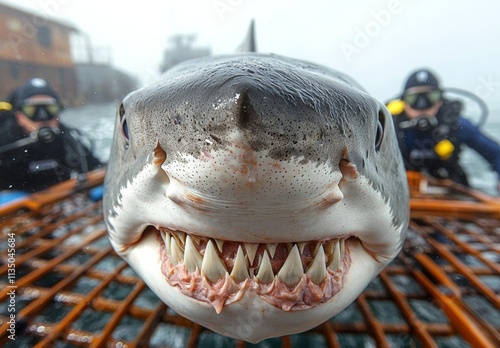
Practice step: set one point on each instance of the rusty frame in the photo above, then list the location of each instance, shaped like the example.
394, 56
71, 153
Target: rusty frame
58, 250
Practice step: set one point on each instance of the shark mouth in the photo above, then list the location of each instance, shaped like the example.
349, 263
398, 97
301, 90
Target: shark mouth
289, 276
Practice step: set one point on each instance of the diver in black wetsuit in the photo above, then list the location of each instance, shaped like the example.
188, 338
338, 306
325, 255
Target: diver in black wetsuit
36, 149
431, 131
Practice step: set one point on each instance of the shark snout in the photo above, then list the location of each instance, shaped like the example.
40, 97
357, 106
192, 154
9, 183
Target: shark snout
239, 178
238, 193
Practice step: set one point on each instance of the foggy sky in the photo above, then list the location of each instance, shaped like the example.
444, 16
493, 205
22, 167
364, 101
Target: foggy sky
377, 42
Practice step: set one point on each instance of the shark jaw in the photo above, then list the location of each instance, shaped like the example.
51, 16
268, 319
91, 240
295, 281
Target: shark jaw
289, 276
250, 315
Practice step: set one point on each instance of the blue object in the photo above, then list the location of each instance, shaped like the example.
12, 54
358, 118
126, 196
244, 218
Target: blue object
10, 196
95, 194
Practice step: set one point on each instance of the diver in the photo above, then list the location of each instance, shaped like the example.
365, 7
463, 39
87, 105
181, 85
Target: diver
431, 131
36, 149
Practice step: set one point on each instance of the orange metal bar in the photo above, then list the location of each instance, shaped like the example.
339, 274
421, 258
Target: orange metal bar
330, 336
355, 327
38, 304
43, 248
470, 250
149, 325
51, 225
36, 274
486, 236
454, 208
286, 342
466, 272
195, 336
416, 325
117, 316
456, 295
372, 323
424, 203
78, 309
438, 273
467, 327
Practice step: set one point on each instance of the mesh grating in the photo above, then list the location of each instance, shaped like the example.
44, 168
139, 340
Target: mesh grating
72, 290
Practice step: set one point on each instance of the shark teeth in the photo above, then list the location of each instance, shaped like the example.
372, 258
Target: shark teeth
265, 274
251, 249
212, 266
240, 269
291, 271
272, 249
287, 262
335, 260
317, 270
176, 254
192, 258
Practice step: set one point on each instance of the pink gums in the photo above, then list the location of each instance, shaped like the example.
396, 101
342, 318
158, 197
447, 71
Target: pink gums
306, 294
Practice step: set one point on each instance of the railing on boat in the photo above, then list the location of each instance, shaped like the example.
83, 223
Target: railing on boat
442, 290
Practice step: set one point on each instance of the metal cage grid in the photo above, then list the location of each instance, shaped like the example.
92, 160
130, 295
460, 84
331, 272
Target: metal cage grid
72, 290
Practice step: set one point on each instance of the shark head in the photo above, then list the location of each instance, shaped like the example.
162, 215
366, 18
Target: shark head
256, 195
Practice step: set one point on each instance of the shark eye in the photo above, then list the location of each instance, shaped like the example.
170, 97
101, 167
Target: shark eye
379, 136
123, 123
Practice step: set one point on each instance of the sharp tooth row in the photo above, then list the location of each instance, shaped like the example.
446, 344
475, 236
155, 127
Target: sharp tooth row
183, 248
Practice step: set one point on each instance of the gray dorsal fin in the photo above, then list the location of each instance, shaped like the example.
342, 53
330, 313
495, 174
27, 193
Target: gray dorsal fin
249, 43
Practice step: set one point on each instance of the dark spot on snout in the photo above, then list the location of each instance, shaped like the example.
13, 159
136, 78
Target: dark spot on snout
245, 111
177, 119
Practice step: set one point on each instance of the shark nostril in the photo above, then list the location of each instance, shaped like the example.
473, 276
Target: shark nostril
159, 155
348, 169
